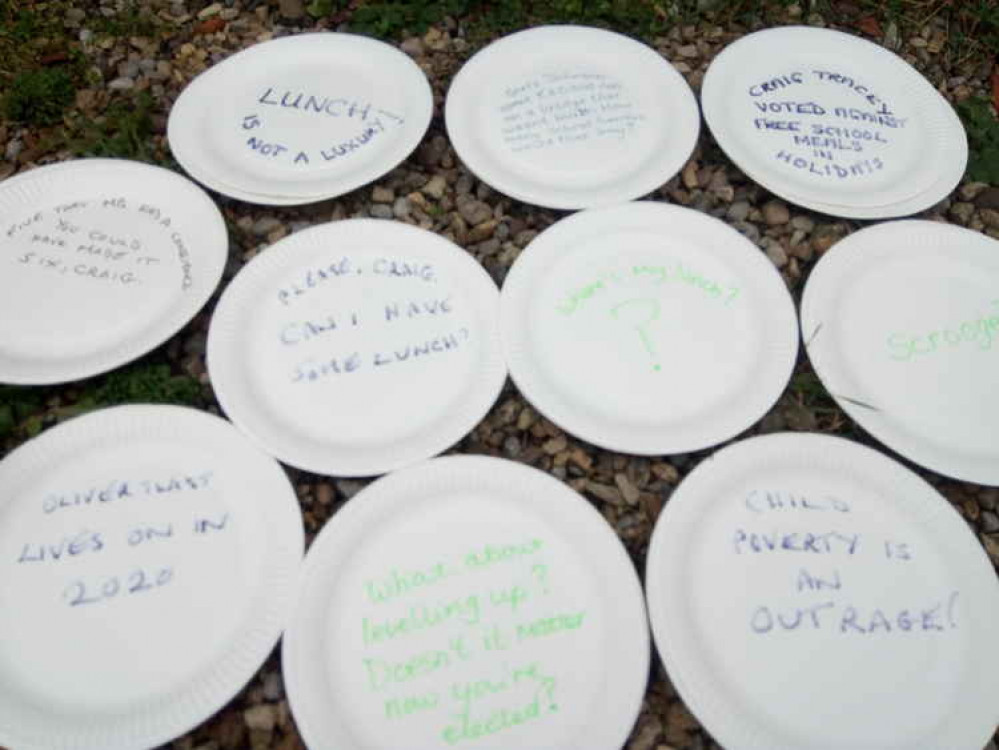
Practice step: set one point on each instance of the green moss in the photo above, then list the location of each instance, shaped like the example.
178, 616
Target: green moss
148, 384
124, 131
983, 139
39, 97
16, 406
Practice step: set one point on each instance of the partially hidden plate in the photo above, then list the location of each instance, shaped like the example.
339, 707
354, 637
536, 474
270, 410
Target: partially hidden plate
101, 260
150, 558
648, 328
357, 347
834, 123
571, 117
809, 593
901, 323
467, 601
301, 118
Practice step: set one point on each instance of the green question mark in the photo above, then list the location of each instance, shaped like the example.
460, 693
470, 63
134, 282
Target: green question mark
651, 307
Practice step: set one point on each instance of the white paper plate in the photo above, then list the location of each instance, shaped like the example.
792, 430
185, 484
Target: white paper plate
101, 260
467, 594
901, 322
150, 559
301, 118
724, 606
571, 117
648, 328
834, 123
357, 347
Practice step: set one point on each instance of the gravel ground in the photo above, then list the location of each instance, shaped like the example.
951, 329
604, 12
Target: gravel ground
433, 190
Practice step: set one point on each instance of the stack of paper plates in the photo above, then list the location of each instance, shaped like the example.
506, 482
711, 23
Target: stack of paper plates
100, 261
467, 601
571, 117
834, 123
301, 118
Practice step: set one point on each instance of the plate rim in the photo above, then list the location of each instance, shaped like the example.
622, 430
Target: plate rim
211, 685
182, 127
484, 385
713, 708
458, 107
945, 239
337, 538
713, 93
550, 246
212, 253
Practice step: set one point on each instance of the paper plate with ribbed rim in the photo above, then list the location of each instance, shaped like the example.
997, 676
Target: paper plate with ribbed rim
648, 328
357, 347
101, 260
301, 118
150, 558
571, 117
901, 323
833, 122
809, 593
467, 601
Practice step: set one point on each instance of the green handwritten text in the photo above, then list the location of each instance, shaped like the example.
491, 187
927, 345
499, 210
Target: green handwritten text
647, 275
979, 333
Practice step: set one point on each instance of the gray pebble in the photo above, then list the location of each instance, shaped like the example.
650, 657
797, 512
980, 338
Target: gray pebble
412, 46
121, 84
775, 251
128, 69
523, 238
962, 211
803, 224
401, 208
775, 213
14, 147
511, 446
989, 499
380, 194
262, 717
381, 211
273, 687
990, 522
435, 187
265, 225
738, 211
475, 212
750, 231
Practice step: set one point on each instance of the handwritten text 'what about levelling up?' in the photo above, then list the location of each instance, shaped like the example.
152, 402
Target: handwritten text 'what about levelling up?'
468, 644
